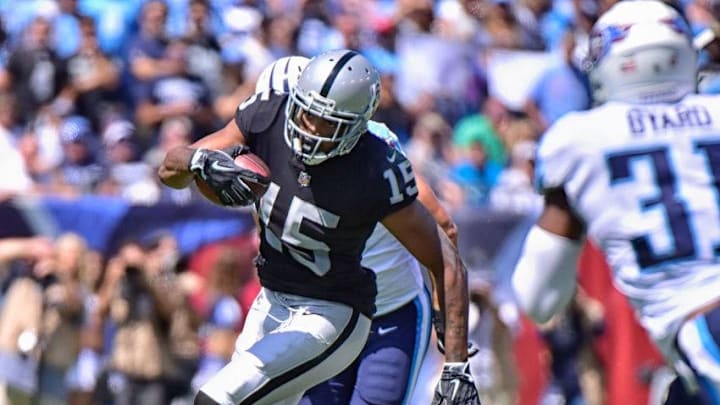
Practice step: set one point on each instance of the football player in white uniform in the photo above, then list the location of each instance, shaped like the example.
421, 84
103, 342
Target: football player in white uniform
387, 369
639, 174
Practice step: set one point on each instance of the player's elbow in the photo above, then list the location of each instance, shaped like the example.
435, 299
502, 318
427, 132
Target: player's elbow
164, 174
540, 306
173, 171
451, 231
436, 268
544, 280
171, 178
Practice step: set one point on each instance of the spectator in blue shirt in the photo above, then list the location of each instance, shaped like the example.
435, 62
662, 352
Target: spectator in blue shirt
561, 89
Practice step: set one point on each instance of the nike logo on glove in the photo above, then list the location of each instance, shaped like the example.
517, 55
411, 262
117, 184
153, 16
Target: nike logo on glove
217, 166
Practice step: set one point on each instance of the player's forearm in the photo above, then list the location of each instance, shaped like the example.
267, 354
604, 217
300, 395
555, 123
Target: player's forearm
174, 170
427, 197
454, 300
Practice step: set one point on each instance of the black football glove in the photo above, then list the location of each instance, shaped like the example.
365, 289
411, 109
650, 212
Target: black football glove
236, 150
439, 325
218, 169
456, 386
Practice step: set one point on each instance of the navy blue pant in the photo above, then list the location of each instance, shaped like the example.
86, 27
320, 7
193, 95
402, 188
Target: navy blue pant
390, 360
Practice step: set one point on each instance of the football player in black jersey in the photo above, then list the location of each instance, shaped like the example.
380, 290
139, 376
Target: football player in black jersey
330, 185
387, 369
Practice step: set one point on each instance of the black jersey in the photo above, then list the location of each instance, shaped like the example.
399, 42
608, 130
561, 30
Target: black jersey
315, 219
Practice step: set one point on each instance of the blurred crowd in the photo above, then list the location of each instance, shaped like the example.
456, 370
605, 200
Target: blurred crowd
94, 92
137, 328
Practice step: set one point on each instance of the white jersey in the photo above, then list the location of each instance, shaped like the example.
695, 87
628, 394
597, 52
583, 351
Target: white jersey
646, 181
399, 276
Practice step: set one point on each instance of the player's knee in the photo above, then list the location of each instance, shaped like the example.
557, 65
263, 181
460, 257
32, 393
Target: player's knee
383, 377
203, 399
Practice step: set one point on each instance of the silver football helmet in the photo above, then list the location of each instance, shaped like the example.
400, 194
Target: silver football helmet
341, 87
641, 51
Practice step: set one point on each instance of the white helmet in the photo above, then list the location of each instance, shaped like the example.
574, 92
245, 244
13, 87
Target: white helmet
343, 88
641, 51
281, 75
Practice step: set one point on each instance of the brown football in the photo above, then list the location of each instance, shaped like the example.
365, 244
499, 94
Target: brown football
248, 161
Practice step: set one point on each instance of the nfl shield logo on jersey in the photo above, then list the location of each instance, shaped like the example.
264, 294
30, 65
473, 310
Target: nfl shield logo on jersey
303, 179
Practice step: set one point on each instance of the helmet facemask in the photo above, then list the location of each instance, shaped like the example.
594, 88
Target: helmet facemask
311, 148
341, 90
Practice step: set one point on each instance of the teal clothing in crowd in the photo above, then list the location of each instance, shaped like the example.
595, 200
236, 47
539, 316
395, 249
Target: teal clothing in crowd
478, 128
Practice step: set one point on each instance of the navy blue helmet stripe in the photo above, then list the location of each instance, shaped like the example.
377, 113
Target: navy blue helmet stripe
286, 84
304, 367
336, 71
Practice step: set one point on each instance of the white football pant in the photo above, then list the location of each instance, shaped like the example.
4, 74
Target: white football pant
288, 344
